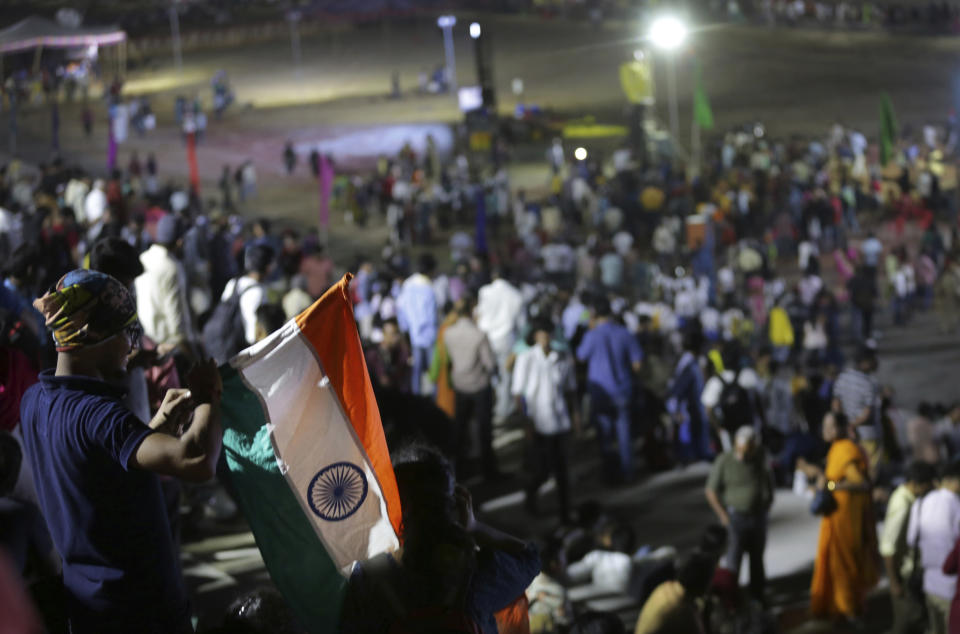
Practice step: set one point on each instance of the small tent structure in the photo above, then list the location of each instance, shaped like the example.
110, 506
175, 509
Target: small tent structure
38, 33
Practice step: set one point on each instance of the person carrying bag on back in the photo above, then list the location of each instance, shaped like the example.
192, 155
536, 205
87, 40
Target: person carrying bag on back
233, 324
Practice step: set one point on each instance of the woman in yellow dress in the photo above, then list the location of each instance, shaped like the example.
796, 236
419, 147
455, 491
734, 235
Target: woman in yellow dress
847, 564
440, 367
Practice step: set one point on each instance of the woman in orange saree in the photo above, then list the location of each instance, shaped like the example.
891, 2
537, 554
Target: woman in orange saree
847, 564
440, 368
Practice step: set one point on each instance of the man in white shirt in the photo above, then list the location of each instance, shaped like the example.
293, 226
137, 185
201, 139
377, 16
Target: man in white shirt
898, 553
11, 233
499, 308
95, 204
162, 293
808, 287
664, 243
75, 196
806, 250
870, 251
617, 567
574, 314
935, 525
248, 181
623, 242
710, 322
256, 264
417, 313
559, 262
710, 397
543, 382
685, 302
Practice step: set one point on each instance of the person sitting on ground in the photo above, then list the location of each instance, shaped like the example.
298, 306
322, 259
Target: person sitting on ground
608, 567
451, 568
618, 567
550, 608
665, 605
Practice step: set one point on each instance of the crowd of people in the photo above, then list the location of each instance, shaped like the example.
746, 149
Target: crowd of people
731, 319
929, 17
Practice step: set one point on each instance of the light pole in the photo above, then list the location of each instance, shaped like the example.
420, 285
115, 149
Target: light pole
668, 33
484, 59
175, 37
446, 24
293, 17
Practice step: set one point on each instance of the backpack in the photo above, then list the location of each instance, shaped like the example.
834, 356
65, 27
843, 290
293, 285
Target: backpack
733, 408
223, 334
430, 619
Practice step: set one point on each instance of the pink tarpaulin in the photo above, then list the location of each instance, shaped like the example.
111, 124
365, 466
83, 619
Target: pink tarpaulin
111, 147
192, 162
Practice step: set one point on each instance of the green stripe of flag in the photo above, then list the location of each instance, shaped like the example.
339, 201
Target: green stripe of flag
294, 555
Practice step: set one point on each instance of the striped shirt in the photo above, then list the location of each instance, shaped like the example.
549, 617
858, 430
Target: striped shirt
856, 392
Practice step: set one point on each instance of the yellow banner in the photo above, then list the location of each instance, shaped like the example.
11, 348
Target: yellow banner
636, 79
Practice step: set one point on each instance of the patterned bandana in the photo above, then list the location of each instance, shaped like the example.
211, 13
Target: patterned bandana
87, 308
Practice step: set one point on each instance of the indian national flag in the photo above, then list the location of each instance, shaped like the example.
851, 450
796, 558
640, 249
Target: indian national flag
307, 457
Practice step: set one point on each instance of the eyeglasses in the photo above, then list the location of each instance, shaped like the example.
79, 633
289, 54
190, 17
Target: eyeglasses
134, 334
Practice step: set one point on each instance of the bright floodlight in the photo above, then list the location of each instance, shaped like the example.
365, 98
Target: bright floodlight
446, 21
580, 153
475, 30
668, 33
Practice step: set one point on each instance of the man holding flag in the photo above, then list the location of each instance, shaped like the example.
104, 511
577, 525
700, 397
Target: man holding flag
95, 464
303, 444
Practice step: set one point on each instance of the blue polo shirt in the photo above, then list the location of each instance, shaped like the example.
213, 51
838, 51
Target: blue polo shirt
121, 572
610, 352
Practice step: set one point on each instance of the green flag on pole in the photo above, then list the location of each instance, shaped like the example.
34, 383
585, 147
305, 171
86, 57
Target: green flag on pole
702, 114
888, 129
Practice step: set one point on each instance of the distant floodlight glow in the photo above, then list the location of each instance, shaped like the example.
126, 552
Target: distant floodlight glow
668, 33
474, 30
446, 21
580, 153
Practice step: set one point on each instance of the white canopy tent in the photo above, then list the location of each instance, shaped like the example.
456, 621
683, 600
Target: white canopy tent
38, 33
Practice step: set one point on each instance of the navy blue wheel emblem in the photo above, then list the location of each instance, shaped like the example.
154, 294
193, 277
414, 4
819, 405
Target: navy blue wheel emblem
337, 491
